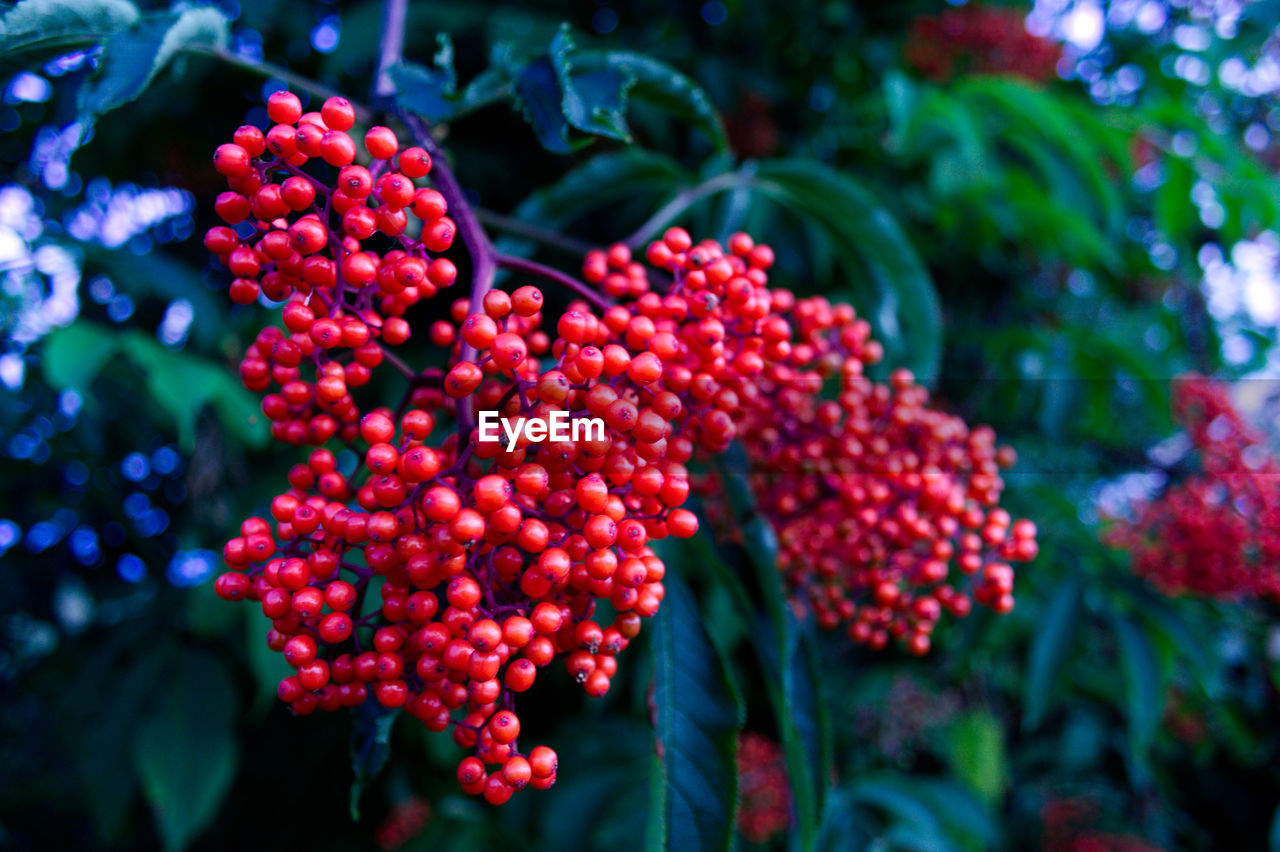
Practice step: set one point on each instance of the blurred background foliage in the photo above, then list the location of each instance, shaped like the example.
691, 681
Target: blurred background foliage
1047, 213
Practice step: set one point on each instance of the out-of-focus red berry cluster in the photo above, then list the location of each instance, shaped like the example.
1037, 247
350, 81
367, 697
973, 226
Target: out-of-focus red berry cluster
872, 493
976, 39
1215, 533
764, 794
1069, 826
405, 821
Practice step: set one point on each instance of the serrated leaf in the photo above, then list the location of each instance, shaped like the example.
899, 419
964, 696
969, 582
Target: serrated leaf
603, 179
185, 751
593, 100
1049, 649
661, 85
370, 748
33, 25
697, 723
538, 96
132, 57
978, 755
423, 91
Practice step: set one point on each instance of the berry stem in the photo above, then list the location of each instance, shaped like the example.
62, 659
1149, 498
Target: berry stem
512, 225
686, 198
530, 267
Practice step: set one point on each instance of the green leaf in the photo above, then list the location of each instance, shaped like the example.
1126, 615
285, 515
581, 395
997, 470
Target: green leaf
32, 25
1174, 214
1049, 649
370, 748
132, 57
978, 755
697, 724
185, 752
428, 92
661, 85
183, 384
180, 383
73, 356
538, 96
789, 655
594, 100
1143, 682
876, 255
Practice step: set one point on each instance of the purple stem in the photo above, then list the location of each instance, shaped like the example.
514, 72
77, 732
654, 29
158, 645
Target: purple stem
530, 267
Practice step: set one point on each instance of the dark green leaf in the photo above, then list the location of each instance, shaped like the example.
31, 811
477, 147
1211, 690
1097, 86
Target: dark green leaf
159, 274
182, 384
697, 716
1143, 682
45, 24
423, 91
875, 251
1049, 649
594, 100
132, 57
538, 95
185, 751
659, 84
789, 656
370, 748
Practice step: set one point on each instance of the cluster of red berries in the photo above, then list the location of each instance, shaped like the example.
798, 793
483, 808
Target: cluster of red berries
764, 794
1215, 533
443, 572
291, 237
405, 821
976, 39
1069, 826
874, 495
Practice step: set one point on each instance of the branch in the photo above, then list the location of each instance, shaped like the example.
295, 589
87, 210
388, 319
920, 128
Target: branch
391, 48
529, 267
295, 82
683, 200
512, 225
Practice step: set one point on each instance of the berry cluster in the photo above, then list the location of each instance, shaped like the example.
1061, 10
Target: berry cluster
872, 493
979, 40
405, 821
1070, 826
764, 803
444, 572
1215, 533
